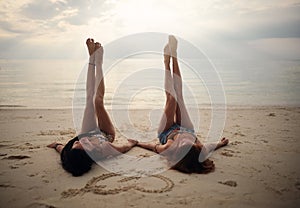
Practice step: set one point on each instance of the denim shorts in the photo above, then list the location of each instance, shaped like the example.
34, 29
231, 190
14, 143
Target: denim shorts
103, 137
163, 136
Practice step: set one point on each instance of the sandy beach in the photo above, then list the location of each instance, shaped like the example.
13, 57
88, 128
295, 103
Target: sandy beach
259, 168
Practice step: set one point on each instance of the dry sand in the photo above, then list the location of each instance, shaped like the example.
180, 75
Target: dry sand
259, 168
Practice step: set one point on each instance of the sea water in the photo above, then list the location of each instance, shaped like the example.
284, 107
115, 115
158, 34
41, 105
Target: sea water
137, 83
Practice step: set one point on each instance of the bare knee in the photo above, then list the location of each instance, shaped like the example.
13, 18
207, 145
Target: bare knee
171, 102
99, 101
170, 98
89, 98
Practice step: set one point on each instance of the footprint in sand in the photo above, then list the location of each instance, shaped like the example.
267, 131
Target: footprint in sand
183, 180
32, 175
57, 132
16, 157
239, 134
145, 155
297, 185
235, 143
229, 183
228, 152
26, 146
40, 205
6, 186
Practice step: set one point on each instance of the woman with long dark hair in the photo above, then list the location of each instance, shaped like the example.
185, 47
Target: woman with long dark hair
97, 132
177, 139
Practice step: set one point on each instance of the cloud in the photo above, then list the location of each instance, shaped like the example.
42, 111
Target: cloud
218, 26
11, 28
75, 12
282, 22
40, 10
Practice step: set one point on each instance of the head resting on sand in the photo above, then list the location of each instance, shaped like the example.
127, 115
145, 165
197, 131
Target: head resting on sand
75, 161
184, 156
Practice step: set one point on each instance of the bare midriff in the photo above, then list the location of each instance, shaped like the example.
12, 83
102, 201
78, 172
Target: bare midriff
177, 134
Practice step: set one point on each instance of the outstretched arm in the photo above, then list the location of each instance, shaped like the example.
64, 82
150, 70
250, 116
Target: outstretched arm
108, 149
125, 147
57, 146
154, 146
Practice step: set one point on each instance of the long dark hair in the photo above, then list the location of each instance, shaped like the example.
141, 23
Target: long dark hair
190, 162
75, 161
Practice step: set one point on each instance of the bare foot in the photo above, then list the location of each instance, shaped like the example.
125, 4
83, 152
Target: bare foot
99, 52
173, 45
167, 54
97, 45
222, 143
54, 144
91, 45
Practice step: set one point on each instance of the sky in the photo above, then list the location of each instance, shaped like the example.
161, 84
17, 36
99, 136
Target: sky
51, 29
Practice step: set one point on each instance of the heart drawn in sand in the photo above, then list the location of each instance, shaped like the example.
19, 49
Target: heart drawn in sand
135, 183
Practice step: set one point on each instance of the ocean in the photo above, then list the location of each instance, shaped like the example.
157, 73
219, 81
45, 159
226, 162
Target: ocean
137, 83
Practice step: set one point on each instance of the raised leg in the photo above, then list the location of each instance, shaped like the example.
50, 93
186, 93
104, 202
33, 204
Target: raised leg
182, 117
167, 119
104, 122
89, 119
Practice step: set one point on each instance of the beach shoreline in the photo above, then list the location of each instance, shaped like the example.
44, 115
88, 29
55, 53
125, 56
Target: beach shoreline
257, 169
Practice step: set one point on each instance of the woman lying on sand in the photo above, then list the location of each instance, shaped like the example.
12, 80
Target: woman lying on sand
93, 138
177, 140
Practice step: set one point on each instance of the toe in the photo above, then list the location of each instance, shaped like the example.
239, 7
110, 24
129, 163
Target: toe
98, 45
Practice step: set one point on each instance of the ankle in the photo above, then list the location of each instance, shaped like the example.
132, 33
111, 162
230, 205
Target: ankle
92, 59
98, 63
167, 61
99, 55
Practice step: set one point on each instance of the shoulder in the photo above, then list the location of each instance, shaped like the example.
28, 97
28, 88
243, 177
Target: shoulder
163, 147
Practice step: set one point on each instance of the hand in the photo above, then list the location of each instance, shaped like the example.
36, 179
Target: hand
53, 145
133, 142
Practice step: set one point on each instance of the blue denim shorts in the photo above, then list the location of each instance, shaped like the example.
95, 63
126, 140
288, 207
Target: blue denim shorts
103, 137
163, 136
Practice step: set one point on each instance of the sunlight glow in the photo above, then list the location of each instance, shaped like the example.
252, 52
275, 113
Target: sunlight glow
140, 13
